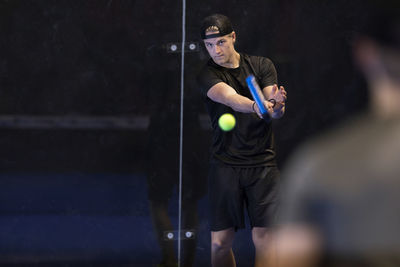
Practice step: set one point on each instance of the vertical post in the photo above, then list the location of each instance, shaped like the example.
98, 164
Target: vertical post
181, 128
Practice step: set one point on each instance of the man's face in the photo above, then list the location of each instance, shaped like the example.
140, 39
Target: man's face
221, 49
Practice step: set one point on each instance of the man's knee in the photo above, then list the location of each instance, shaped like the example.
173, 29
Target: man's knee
220, 247
261, 236
222, 240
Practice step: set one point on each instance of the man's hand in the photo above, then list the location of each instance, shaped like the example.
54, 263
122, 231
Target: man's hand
276, 101
279, 95
275, 104
268, 105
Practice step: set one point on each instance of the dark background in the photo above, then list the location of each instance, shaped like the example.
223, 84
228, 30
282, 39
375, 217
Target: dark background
76, 192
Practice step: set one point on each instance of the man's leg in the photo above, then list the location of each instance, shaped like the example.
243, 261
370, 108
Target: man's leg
265, 249
221, 248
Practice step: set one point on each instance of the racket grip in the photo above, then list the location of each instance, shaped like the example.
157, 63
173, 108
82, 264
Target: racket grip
266, 116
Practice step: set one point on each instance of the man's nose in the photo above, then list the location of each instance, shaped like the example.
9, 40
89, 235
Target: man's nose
217, 50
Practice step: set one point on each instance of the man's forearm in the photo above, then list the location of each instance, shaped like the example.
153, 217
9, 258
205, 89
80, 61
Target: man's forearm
240, 103
224, 94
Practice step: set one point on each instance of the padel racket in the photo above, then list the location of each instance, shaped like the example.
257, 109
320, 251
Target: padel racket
258, 97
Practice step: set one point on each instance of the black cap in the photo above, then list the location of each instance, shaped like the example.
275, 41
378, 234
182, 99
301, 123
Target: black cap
221, 22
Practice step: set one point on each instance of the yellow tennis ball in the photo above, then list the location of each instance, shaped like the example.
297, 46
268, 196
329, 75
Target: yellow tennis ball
226, 122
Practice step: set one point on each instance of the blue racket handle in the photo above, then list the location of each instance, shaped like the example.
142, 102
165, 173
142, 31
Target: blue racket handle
258, 97
266, 116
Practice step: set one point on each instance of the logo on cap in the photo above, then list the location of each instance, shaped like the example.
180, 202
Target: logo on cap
216, 25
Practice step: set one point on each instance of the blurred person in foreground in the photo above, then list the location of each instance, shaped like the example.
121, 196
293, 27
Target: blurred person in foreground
341, 192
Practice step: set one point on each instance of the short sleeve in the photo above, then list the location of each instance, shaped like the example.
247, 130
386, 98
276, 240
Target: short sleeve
267, 73
207, 78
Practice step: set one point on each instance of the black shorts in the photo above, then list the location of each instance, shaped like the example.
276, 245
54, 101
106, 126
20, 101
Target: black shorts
231, 189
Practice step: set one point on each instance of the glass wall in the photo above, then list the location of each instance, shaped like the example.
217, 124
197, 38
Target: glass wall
104, 150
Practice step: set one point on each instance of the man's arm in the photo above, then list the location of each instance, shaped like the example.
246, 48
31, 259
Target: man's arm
225, 94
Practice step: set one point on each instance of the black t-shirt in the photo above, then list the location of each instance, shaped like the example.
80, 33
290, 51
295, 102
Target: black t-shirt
250, 143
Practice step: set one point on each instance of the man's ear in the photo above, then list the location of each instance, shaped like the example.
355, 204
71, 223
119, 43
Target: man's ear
234, 36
